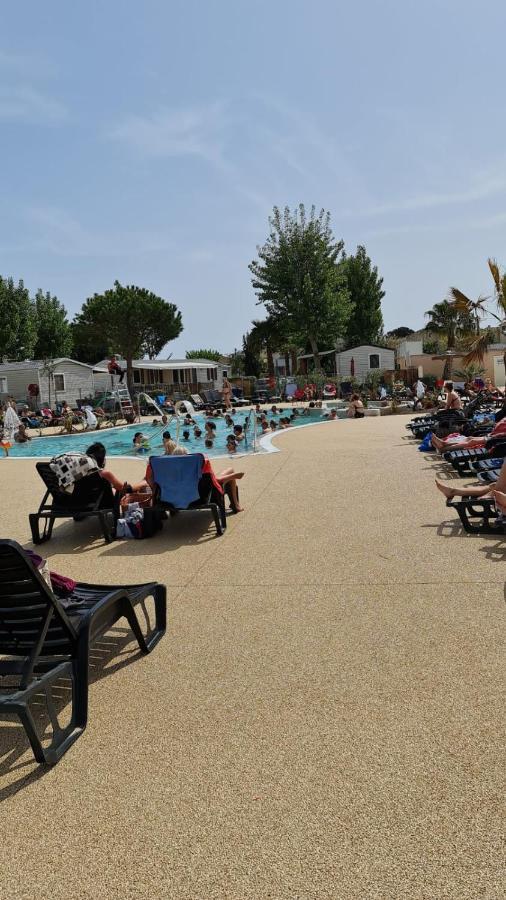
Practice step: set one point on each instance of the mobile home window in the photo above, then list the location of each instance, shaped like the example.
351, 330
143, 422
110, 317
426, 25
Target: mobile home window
59, 382
3, 385
374, 361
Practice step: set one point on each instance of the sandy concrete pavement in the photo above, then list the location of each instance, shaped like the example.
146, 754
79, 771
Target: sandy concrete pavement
325, 717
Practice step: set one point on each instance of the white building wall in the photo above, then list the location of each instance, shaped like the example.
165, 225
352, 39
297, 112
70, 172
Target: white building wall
17, 383
79, 383
361, 355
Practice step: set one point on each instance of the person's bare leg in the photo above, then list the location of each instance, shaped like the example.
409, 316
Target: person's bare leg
500, 499
450, 492
229, 475
234, 495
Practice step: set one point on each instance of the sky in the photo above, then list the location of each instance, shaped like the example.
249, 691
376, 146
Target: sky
148, 142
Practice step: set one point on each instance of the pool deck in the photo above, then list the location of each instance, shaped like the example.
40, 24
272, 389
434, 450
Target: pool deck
325, 717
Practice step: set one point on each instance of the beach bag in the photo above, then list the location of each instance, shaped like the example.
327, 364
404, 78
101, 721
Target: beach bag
426, 443
143, 498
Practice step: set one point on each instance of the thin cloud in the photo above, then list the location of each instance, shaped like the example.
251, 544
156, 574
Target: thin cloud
185, 132
24, 104
55, 231
201, 132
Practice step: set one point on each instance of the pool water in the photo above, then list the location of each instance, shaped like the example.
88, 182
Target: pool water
119, 441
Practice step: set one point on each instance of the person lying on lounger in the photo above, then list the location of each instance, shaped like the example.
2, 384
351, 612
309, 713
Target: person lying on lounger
460, 442
485, 490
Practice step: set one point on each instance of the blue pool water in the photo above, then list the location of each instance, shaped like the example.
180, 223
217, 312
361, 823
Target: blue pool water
118, 441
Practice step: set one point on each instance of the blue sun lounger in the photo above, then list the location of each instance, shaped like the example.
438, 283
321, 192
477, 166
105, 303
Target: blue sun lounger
180, 485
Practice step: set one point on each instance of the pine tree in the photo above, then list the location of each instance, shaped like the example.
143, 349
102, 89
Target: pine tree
17, 317
365, 289
54, 336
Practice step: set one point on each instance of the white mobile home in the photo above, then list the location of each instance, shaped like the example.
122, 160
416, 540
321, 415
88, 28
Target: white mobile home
359, 361
171, 375
31, 382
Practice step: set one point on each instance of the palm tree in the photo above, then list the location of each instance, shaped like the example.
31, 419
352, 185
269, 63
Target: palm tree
472, 309
453, 324
469, 373
479, 345
269, 335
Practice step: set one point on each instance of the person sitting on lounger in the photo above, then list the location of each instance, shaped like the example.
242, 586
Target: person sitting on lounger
98, 453
453, 400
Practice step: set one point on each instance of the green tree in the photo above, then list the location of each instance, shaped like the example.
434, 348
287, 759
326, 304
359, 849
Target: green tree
86, 346
213, 355
17, 318
402, 332
54, 336
251, 353
365, 289
298, 278
127, 317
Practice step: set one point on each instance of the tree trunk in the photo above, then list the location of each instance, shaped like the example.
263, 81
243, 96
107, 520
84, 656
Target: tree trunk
287, 362
270, 362
294, 361
314, 349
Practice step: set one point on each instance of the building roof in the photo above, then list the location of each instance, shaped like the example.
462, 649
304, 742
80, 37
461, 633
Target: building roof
163, 363
37, 364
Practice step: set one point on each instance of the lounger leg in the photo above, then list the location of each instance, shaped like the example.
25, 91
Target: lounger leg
37, 537
160, 598
28, 724
129, 613
107, 526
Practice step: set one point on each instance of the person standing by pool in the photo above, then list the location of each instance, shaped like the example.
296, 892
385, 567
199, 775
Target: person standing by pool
226, 392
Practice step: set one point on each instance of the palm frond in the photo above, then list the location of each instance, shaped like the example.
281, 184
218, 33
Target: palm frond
477, 348
496, 273
459, 300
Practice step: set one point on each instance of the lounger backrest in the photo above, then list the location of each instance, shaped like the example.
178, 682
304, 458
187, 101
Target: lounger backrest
177, 478
87, 491
30, 614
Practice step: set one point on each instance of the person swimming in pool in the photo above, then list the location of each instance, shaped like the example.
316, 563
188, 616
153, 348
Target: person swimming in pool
140, 442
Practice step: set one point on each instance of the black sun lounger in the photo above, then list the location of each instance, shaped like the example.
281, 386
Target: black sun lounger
92, 496
478, 515
44, 639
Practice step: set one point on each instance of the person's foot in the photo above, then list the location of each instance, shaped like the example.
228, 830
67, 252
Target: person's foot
448, 492
238, 474
500, 499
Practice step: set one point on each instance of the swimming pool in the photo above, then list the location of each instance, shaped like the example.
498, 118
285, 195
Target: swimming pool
119, 441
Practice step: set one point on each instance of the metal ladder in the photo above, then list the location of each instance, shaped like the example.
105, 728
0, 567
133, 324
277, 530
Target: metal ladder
124, 399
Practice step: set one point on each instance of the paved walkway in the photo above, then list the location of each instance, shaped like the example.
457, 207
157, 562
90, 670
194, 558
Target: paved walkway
325, 718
